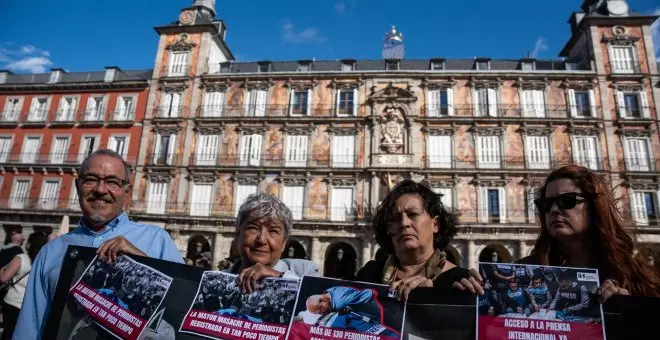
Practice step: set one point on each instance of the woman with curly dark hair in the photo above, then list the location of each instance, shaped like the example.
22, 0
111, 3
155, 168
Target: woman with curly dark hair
413, 227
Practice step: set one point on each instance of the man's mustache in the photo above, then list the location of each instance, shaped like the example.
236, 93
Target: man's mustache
105, 198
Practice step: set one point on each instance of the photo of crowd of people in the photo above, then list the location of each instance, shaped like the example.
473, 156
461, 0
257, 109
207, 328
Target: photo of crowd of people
539, 292
271, 303
129, 284
346, 305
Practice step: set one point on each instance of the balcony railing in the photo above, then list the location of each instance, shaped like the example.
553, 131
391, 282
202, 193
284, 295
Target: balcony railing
54, 158
123, 116
638, 164
39, 204
9, 116
511, 163
178, 70
241, 110
36, 116
312, 161
624, 67
93, 116
163, 159
65, 116
171, 112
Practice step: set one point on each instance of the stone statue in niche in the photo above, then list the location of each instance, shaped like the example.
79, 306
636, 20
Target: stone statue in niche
391, 129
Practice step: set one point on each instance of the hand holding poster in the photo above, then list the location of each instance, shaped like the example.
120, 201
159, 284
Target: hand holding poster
539, 303
335, 309
221, 311
121, 297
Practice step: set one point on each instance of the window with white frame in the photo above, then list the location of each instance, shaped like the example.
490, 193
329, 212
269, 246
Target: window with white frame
438, 149
446, 196
294, 198
12, 109
440, 102
303, 67
347, 102
489, 153
171, 107
643, 205
622, 59
637, 155
5, 148
88, 145
632, 104
347, 66
164, 149
582, 103
341, 205
296, 151
537, 152
19, 194
206, 151
263, 68
157, 197
125, 108
213, 103
391, 65
343, 151
485, 102
492, 205
38, 110
300, 102
533, 103
242, 192
54, 76
74, 202
94, 109
482, 65
201, 195
527, 65
119, 144
255, 103
586, 151
437, 65
50, 192
67, 109
249, 149
60, 150
30, 150
178, 64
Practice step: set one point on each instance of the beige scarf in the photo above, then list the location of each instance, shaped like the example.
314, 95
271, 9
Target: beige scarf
430, 270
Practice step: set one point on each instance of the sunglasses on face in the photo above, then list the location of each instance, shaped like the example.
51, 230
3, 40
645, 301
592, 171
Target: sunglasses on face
564, 201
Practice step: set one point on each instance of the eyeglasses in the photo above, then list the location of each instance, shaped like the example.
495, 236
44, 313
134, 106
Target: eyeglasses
564, 201
113, 183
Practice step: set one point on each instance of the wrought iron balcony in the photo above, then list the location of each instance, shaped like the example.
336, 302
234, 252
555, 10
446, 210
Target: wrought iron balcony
92, 116
171, 112
311, 161
163, 159
39, 204
506, 163
176, 70
636, 164
500, 110
9, 116
623, 68
36, 116
242, 110
123, 116
48, 159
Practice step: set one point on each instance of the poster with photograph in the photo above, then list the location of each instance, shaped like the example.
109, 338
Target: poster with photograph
336, 309
538, 302
221, 311
122, 297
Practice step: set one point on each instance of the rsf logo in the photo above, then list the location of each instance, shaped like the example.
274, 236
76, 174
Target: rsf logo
589, 277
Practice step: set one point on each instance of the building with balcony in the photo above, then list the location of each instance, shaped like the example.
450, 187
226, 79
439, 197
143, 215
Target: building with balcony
48, 124
328, 136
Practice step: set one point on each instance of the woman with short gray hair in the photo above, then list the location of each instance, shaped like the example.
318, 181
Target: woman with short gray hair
263, 226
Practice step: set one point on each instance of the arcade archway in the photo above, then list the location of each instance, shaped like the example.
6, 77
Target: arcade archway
294, 250
340, 261
495, 253
197, 245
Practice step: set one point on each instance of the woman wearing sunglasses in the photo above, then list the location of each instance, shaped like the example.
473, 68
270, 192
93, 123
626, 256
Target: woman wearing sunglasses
581, 226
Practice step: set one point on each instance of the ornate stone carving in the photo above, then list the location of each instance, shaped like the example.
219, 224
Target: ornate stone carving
216, 87
341, 182
343, 130
628, 86
301, 84
182, 44
172, 86
438, 83
203, 177
294, 180
535, 130
252, 129
247, 180
579, 84
392, 130
490, 182
439, 130
485, 83
166, 129
392, 94
487, 130
532, 84
159, 177
444, 183
214, 129
264, 85
591, 130
628, 132
298, 130
644, 186
346, 85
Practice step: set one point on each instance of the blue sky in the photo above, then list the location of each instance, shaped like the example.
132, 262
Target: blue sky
78, 35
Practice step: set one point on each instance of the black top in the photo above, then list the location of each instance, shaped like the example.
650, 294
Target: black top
7, 254
373, 272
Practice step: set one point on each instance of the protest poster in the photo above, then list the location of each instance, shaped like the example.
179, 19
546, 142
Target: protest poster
121, 297
538, 302
220, 311
337, 309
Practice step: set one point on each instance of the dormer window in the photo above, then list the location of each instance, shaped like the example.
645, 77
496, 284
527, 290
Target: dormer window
437, 65
264, 67
392, 65
482, 64
348, 66
304, 66
225, 67
54, 76
527, 65
571, 66
110, 73
3, 76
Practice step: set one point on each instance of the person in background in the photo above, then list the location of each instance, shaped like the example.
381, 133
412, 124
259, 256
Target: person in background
523, 275
572, 298
263, 226
581, 226
103, 184
413, 228
15, 276
12, 247
503, 274
188, 261
538, 294
515, 299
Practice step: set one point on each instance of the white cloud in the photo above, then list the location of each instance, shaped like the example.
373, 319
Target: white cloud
307, 35
27, 58
655, 30
540, 46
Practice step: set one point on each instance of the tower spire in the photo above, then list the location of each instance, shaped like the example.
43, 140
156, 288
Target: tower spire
205, 6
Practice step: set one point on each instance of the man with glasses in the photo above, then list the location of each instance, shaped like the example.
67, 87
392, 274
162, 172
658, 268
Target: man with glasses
103, 184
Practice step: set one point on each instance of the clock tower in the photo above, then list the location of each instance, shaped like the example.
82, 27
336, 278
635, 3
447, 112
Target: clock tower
612, 8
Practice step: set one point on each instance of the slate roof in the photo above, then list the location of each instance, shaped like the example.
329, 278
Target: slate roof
79, 77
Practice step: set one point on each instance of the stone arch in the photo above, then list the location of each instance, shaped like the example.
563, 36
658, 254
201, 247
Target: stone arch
294, 250
197, 245
453, 255
495, 253
340, 261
